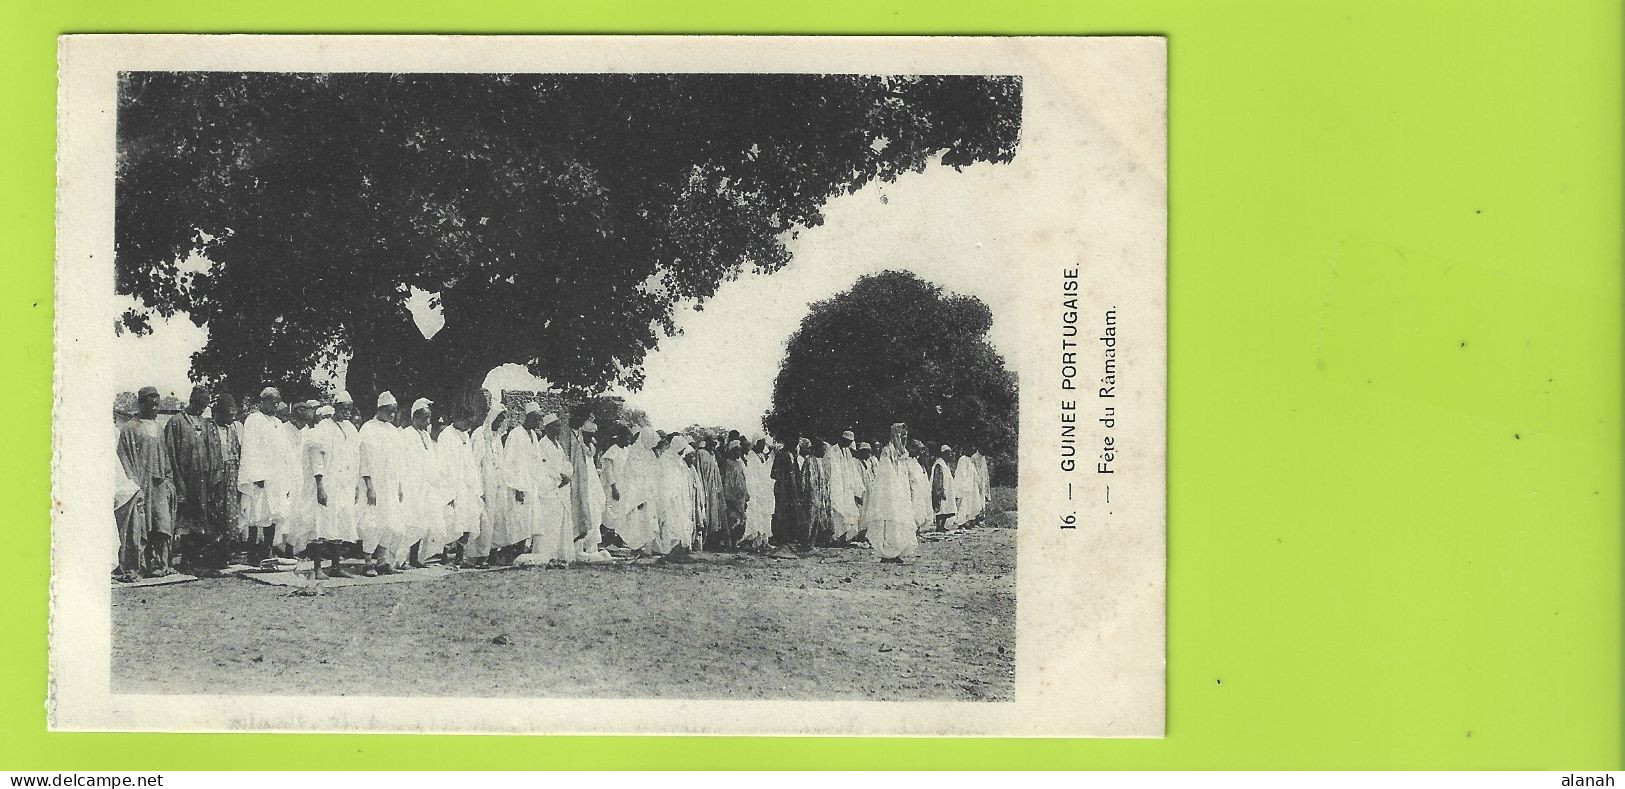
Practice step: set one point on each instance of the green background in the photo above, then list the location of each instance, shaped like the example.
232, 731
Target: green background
1395, 437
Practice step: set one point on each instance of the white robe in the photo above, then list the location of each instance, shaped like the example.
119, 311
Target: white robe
941, 472
425, 492
611, 469
334, 520
759, 509
462, 475
260, 475
534, 465
920, 489
845, 485
888, 507
639, 480
675, 509
486, 448
379, 523
343, 480
968, 488
295, 513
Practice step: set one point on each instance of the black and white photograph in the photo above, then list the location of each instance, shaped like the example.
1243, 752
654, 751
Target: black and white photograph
615, 385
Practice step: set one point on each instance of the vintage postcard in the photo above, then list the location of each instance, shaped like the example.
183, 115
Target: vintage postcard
629, 385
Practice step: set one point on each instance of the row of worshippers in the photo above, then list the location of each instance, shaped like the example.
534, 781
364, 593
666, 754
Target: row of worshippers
304, 480
844, 492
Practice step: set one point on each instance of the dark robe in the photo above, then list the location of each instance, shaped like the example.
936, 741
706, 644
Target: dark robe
203, 464
786, 497
711, 491
735, 497
817, 515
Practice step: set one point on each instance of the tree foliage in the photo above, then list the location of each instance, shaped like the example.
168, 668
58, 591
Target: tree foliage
559, 218
895, 348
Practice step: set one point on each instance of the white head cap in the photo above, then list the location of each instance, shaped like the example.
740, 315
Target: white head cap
549, 419
385, 398
422, 404
270, 391
946, 448
343, 397
848, 435
324, 411
532, 408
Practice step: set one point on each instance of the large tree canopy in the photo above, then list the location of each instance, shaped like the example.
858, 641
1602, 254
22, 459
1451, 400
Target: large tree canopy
559, 218
896, 348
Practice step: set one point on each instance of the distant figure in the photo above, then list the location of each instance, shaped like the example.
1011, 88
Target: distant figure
944, 497
145, 544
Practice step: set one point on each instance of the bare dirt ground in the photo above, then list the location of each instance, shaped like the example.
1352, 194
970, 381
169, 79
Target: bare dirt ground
835, 625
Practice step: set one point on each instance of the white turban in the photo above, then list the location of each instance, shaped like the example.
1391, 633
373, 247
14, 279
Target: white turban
270, 391
422, 404
343, 398
385, 398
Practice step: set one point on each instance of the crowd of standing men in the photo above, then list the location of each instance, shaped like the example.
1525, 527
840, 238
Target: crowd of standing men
397, 490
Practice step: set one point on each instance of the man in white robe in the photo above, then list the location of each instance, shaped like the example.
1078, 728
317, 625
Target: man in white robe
424, 488
516, 521
639, 481
676, 506
968, 488
888, 509
759, 509
379, 514
329, 462
301, 486
486, 444
261, 477
845, 488
462, 473
346, 482
586, 493
538, 478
